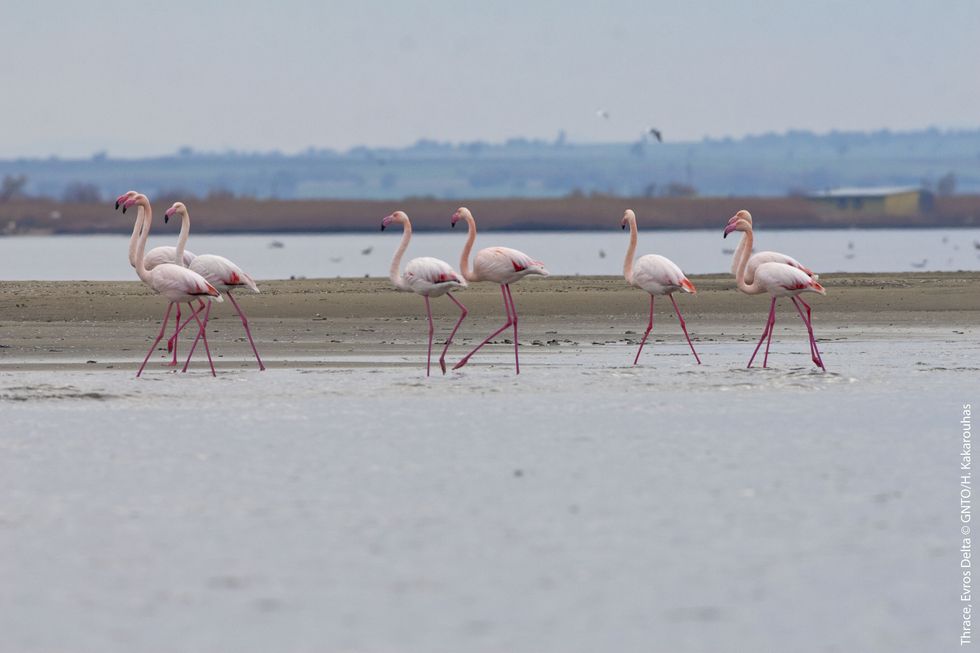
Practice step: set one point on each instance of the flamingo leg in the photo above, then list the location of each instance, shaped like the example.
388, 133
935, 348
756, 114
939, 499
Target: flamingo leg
683, 327
465, 359
201, 335
646, 333
241, 314
428, 358
770, 328
813, 355
513, 313
462, 316
180, 328
172, 343
163, 327
769, 322
817, 359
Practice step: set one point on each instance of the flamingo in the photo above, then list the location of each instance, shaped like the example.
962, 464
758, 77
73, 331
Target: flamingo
153, 258
176, 283
426, 276
501, 265
779, 280
657, 275
219, 271
759, 258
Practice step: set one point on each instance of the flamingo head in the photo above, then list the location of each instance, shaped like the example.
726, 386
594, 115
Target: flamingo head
628, 217
397, 216
741, 215
737, 225
178, 207
138, 198
461, 213
122, 198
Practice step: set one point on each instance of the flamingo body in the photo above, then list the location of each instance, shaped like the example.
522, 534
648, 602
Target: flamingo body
658, 275
166, 254
431, 277
221, 272
782, 280
505, 265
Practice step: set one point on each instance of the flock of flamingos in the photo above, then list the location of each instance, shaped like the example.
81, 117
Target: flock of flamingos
184, 278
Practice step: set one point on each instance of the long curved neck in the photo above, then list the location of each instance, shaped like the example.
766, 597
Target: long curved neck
630, 252
744, 251
135, 237
185, 229
395, 274
141, 270
737, 257
464, 258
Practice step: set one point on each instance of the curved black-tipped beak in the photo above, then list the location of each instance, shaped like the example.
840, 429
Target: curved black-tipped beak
166, 219
124, 209
624, 227
382, 227
117, 206
452, 224
725, 235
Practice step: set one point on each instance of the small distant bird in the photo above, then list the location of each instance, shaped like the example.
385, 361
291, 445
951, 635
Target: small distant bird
276, 244
653, 131
602, 113
657, 275
976, 244
850, 244
367, 250
602, 253
920, 264
336, 259
501, 265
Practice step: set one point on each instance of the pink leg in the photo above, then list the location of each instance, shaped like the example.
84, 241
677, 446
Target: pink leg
465, 359
771, 328
163, 327
769, 322
462, 316
513, 314
172, 343
180, 328
428, 358
814, 356
241, 314
202, 335
647, 333
683, 327
813, 341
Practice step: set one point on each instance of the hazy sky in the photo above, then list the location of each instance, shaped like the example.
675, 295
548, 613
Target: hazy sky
138, 78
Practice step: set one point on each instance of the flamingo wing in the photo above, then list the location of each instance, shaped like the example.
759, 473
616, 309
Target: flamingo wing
759, 258
221, 272
659, 275
783, 279
504, 265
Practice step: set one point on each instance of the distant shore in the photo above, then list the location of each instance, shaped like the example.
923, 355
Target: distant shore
240, 215
298, 323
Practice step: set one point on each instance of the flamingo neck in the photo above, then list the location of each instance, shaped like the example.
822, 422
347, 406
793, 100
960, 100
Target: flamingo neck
630, 252
135, 237
464, 258
185, 229
394, 273
742, 255
147, 219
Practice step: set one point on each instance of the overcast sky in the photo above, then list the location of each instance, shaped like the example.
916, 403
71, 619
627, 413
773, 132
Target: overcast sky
138, 78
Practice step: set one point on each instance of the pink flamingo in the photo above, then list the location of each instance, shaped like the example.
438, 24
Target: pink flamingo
153, 258
426, 276
219, 271
657, 275
778, 280
176, 283
501, 265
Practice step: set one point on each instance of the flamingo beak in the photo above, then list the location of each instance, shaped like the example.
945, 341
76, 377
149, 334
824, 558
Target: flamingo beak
729, 228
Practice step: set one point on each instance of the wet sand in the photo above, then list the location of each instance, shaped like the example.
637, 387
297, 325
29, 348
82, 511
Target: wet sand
312, 322
341, 501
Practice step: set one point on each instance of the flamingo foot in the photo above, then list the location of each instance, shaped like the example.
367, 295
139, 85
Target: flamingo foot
463, 361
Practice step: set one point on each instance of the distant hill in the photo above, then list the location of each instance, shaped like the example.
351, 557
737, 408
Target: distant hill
771, 165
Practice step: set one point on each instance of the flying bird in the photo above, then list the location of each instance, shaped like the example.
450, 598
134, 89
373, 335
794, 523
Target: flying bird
653, 131
602, 113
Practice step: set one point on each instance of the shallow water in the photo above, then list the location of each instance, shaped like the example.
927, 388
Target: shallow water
586, 505
103, 258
